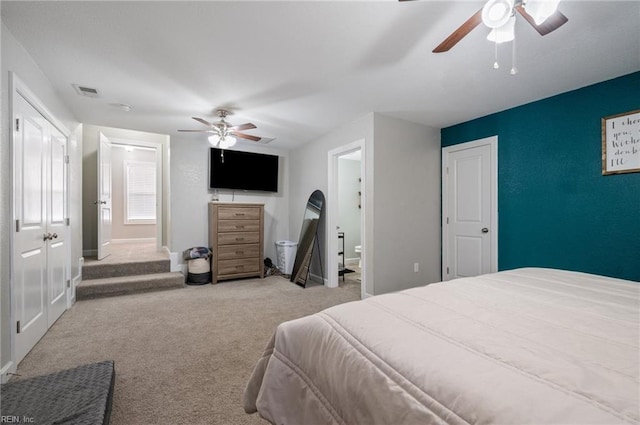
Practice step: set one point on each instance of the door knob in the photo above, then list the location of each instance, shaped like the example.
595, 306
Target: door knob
46, 237
485, 230
99, 202
54, 236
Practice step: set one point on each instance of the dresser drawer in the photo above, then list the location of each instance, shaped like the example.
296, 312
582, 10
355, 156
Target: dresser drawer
238, 225
245, 265
238, 238
239, 213
233, 252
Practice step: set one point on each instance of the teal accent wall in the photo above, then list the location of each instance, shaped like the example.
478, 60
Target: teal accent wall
555, 208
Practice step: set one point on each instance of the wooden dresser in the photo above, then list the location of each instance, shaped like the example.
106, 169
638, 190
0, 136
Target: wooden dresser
236, 238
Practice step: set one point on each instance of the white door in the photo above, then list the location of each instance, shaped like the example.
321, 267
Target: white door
104, 197
30, 258
56, 225
469, 199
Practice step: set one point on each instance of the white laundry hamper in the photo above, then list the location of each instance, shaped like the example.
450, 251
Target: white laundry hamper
286, 251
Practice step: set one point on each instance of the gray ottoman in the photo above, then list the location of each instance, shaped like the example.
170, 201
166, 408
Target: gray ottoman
78, 396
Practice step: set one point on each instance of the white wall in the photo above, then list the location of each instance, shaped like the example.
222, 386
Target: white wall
402, 168
15, 58
349, 187
90, 177
406, 205
191, 194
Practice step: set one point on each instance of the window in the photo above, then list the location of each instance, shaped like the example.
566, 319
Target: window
140, 192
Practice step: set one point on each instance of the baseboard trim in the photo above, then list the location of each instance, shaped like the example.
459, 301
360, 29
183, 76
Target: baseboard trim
174, 261
75, 282
89, 252
133, 240
7, 369
317, 278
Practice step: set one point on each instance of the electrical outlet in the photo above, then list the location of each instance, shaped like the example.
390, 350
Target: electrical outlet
416, 267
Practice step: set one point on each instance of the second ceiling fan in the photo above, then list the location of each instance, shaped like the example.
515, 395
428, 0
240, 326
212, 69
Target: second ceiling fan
499, 15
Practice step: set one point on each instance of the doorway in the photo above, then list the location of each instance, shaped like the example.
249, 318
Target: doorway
347, 217
470, 209
350, 217
130, 185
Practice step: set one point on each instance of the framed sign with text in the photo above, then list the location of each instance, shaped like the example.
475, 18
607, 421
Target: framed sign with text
621, 143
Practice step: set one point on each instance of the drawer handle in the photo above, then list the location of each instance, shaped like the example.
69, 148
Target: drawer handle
239, 239
239, 214
239, 267
239, 227
239, 252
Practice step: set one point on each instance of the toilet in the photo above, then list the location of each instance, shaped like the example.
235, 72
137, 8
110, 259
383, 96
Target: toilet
359, 251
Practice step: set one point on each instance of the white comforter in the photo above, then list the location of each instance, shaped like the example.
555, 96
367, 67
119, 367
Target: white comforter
534, 346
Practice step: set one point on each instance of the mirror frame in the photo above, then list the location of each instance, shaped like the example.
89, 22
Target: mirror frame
308, 239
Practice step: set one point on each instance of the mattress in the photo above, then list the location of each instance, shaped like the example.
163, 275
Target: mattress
536, 346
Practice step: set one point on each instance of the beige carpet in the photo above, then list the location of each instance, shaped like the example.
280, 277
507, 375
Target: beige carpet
182, 356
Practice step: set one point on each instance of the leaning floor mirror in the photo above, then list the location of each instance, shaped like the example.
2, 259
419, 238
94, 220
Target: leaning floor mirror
308, 243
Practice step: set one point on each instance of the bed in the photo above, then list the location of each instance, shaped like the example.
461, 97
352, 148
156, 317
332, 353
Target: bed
536, 346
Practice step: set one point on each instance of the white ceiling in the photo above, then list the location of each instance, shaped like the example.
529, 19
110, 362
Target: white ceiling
298, 69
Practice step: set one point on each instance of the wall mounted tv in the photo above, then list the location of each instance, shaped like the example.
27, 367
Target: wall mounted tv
243, 170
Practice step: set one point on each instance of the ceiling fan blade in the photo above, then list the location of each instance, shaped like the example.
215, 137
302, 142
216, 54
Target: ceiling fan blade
247, 126
247, 136
552, 23
205, 122
460, 33
198, 131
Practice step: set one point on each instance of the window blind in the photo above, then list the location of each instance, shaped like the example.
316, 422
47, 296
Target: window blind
140, 197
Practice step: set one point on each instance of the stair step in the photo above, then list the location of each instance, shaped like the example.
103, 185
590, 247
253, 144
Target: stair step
112, 286
98, 270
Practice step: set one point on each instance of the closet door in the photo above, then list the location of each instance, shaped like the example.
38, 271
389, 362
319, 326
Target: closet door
41, 247
57, 248
30, 255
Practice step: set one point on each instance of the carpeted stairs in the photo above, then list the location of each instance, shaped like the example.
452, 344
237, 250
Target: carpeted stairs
110, 279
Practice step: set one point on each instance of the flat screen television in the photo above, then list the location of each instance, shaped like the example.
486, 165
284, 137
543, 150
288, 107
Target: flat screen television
243, 170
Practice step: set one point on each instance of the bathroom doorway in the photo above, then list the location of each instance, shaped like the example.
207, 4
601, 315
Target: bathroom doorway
347, 218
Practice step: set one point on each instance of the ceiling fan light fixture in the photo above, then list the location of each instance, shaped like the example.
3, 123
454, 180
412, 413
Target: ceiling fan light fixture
223, 142
227, 142
214, 139
540, 10
505, 33
496, 13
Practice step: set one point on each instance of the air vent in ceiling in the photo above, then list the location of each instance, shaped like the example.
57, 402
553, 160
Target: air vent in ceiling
86, 91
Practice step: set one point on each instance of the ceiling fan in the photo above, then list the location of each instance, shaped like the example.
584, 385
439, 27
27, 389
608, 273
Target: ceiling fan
499, 15
224, 134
